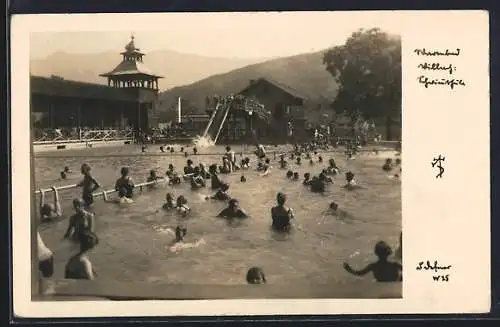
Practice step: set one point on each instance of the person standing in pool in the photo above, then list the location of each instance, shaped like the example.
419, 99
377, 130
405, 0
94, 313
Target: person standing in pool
79, 265
233, 210
89, 185
80, 222
255, 275
125, 185
48, 211
383, 270
281, 215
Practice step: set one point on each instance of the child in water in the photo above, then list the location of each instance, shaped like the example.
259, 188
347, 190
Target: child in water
383, 270
48, 211
152, 178
334, 210
307, 179
281, 215
221, 194
80, 222
295, 176
197, 181
255, 275
169, 202
388, 165
351, 183
181, 205
289, 174
233, 210
125, 185
89, 185
283, 162
243, 179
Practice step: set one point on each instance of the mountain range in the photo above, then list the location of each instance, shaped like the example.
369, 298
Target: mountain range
305, 73
176, 68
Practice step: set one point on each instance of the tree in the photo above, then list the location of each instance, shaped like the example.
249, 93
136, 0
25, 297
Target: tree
367, 69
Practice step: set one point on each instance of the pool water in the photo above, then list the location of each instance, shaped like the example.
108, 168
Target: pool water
135, 240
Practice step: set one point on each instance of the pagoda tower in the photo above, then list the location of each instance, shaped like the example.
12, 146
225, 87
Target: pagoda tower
133, 77
131, 72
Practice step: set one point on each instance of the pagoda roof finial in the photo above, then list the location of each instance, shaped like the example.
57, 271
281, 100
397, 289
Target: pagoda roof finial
130, 47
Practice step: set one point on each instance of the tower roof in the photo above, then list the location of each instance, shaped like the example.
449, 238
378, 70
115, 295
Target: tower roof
132, 65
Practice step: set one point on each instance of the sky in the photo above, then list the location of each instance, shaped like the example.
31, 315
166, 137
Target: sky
228, 35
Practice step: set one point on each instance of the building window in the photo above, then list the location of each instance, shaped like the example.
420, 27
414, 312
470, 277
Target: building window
288, 109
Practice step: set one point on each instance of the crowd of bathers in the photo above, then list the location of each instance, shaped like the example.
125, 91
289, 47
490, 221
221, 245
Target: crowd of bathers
81, 226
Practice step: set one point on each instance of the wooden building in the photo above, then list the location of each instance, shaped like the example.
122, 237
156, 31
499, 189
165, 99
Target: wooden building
285, 104
129, 99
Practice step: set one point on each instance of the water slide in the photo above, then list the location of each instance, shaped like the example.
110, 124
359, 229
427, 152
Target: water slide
217, 120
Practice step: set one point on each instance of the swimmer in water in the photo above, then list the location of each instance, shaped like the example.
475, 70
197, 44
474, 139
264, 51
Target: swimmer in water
175, 179
80, 222
281, 215
388, 165
203, 171
48, 211
296, 176
266, 167
243, 179
171, 171
89, 185
298, 162
67, 170
383, 270
332, 167
79, 265
320, 159
181, 205
245, 163
152, 178
195, 151
215, 182
188, 170
255, 275
172, 150
289, 174
197, 181
162, 149
221, 194
233, 210
398, 161
169, 202
317, 185
311, 162
323, 177
261, 151
143, 148
182, 149
334, 210
125, 185
283, 162
186, 154
307, 179
63, 175
350, 182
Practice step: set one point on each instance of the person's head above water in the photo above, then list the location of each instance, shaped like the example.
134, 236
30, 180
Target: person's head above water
46, 210
267, 161
281, 198
307, 175
398, 161
212, 168
169, 197
388, 161
180, 232
66, 169
181, 200
382, 250
296, 175
255, 275
63, 175
228, 148
197, 170
334, 205
85, 169
189, 162
349, 176
224, 187
243, 178
233, 204
152, 173
170, 167
124, 171
289, 174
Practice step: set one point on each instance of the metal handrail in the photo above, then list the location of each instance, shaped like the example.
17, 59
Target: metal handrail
102, 193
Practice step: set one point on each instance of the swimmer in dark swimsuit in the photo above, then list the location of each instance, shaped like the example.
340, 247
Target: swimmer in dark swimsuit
152, 178
255, 275
221, 194
243, 179
296, 176
233, 210
383, 270
281, 215
388, 165
169, 202
48, 211
317, 185
197, 181
351, 183
215, 182
89, 185
181, 205
307, 179
298, 161
180, 232
80, 222
125, 184
79, 265
189, 168
289, 174
332, 167
63, 175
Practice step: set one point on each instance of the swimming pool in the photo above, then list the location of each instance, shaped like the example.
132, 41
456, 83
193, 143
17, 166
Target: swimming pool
134, 244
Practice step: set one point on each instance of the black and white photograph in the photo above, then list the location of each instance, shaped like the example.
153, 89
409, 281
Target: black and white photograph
232, 156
